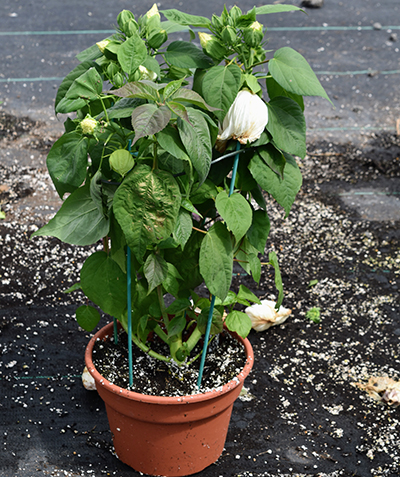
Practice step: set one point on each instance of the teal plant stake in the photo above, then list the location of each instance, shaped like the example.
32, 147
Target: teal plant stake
211, 312
129, 304
115, 331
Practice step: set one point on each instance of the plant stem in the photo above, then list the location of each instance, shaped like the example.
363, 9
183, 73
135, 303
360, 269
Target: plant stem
162, 305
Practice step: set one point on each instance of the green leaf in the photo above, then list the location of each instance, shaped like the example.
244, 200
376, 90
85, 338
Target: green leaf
172, 87
247, 257
140, 89
183, 228
283, 191
87, 317
146, 206
294, 74
186, 55
70, 78
123, 108
217, 324
192, 97
176, 326
273, 260
67, 162
246, 294
236, 212
155, 270
207, 190
185, 19
196, 139
216, 260
276, 9
149, 119
178, 306
75, 286
259, 230
170, 141
287, 125
91, 53
178, 109
273, 158
88, 86
238, 322
274, 89
132, 53
220, 87
78, 221
104, 283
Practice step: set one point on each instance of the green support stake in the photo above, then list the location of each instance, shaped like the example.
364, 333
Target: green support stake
210, 314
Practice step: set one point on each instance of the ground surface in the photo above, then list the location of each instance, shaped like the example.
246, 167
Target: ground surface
303, 416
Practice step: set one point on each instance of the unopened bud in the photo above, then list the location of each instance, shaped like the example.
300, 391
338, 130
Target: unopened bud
121, 161
102, 45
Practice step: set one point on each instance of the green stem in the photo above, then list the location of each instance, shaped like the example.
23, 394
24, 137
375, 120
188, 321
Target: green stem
162, 305
161, 334
104, 109
193, 339
149, 351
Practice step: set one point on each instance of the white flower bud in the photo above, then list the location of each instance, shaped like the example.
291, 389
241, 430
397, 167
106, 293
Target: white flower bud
153, 11
246, 118
204, 38
88, 125
147, 74
265, 315
102, 45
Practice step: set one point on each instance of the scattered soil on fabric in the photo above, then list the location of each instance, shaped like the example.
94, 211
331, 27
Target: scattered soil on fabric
225, 360
301, 416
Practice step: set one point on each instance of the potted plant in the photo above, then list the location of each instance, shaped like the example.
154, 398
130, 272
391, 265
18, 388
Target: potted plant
167, 160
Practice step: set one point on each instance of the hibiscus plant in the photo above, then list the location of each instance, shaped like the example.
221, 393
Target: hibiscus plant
145, 167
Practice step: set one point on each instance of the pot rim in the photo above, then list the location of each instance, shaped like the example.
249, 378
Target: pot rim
154, 399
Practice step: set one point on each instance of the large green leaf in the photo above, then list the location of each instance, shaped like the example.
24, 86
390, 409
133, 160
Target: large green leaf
294, 74
140, 89
216, 260
192, 97
132, 53
78, 221
71, 77
287, 125
155, 270
238, 322
87, 317
185, 19
104, 283
274, 89
236, 212
259, 230
170, 141
88, 86
195, 137
283, 191
186, 55
273, 158
220, 87
146, 206
123, 108
149, 119
67, 162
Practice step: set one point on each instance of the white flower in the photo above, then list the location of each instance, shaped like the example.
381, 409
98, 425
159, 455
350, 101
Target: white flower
265, 315
88, 125
246, 118
88, 381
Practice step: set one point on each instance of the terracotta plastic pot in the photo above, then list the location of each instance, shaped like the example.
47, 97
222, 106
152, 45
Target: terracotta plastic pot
168, 436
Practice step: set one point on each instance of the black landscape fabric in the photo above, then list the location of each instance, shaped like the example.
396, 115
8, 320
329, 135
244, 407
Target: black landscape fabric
338, 250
